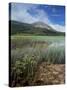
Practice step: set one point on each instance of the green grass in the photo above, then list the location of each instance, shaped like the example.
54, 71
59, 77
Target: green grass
29, 51
41, 38
20, 40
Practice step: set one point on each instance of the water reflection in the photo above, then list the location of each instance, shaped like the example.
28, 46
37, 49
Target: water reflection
57, 44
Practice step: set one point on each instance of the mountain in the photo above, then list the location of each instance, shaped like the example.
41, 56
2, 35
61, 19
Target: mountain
37, 28
41, 25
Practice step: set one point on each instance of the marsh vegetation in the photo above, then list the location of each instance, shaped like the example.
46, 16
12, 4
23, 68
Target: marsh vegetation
28, 52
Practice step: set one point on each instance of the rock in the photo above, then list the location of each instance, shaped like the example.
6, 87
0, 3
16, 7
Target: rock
50, 74
55, 82
55, 72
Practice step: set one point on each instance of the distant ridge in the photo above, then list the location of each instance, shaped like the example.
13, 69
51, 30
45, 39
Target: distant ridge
37, 28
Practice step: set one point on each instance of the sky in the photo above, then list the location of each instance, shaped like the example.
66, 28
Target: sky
52, 15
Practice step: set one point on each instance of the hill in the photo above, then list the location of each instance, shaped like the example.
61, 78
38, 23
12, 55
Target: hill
37, 28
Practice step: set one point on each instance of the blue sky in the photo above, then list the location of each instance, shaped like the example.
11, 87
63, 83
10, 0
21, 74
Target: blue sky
30, 13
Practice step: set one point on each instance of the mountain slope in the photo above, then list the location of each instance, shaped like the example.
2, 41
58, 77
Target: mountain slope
35, 29
41, 25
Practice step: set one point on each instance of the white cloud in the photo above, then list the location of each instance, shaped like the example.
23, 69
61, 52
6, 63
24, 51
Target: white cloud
54, 10
58, 27
24, 16
20, 13
56, 15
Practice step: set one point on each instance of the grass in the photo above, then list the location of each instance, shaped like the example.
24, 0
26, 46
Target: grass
40, 38
27, 52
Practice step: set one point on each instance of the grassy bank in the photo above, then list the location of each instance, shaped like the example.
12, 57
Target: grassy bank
27, 52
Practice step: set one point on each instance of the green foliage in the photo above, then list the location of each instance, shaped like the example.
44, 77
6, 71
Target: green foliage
56, 55
28, 53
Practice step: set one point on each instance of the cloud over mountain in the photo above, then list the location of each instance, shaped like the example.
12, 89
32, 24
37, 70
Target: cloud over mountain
30, 13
